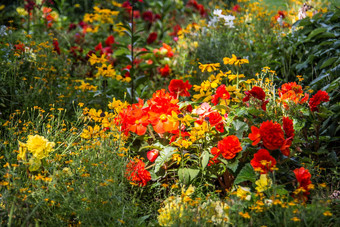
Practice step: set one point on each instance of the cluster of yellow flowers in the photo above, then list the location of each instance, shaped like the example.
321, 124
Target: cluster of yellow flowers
182, 209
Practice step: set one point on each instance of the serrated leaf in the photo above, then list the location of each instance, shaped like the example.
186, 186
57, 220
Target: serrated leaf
247, 173
164, 156
205, 159
233, 165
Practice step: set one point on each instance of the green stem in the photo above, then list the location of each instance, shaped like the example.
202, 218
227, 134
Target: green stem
132, 57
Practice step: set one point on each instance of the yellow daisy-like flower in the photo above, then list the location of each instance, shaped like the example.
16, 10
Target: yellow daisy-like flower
235, 61
327, 213
209, 67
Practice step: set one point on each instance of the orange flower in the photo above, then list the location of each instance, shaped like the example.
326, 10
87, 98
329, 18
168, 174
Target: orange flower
228, 147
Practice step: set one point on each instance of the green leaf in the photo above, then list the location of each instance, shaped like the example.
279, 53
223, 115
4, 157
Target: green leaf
315, 33
205, 159
186, 175
328, 62
240, 127
247, 173
164, 156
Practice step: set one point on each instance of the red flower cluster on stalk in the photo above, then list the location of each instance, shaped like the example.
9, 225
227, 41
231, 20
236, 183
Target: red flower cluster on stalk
272, 135
136, 172
317, 99
228, 148
56, 46
258, 94
304, 183
152, 37
263, 161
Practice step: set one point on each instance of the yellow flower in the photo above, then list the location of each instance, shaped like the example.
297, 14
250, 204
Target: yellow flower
263, 183
39, 146
243, 193
21, 11
22, 151
235, 61
244, 215
296, 219
327, 213
209, 67
2, 7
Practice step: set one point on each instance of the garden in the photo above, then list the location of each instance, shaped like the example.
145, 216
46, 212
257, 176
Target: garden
169, 113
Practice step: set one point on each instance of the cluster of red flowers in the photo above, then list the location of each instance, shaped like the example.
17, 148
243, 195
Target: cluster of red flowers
179, 88
292, 92
221, 93
228, 148
256, 93
272, 135
136, 172
315, 101
263, 161
198, 7
304, 183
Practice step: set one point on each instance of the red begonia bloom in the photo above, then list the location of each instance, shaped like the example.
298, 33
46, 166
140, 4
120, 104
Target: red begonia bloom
152, 37
237, 8
136, 172
263, 161
179, 88
256, 93
315, 101
228, 147
214, 118
271, 135
292, 92
221, 93
303, 177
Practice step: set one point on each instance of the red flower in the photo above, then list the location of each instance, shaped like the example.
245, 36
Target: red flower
228, 147
152, 37
257, 93
147, 16
237, 8
179, 88
255, 135
152, 155
127, 69
271, 135
165, 71
315, 101
214, 118
288, 127
263, 161
109, 41
56, 46
303, 177
136, 172
221, 93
